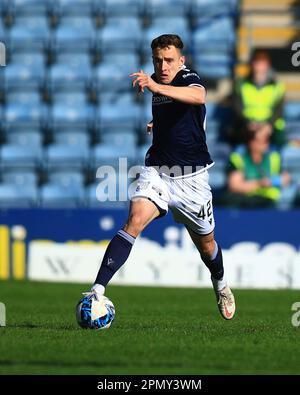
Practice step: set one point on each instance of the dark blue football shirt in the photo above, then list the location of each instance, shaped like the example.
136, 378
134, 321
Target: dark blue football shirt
178, 128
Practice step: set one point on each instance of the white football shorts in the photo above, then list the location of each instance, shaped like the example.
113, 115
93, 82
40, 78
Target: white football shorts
189, 197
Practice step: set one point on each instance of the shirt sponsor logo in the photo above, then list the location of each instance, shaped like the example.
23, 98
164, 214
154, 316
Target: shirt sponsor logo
190, 74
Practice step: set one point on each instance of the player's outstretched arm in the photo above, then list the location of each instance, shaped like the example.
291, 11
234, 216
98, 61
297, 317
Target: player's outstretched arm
186, 94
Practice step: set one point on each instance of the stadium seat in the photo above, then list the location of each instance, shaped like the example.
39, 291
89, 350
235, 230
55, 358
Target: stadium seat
72, 139
72, 115
119, 137
217, 33
109, 154
162, 25
74, 7
217, 177
214, 64
15, 196
12, 155
74, 33
97, 197
25, 138
122, 33
120, 115
113, 76
28, 7
291, 157
30, 32
141, 153
20, 177
66, 178
59, 156
25, 71
157, 8
205, 8
29, 115
121, 8
57, 195
292, 111
71, 71
23, 97
70, 97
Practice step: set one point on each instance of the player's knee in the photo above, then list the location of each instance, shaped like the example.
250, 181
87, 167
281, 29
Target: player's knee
135, 224
207, 248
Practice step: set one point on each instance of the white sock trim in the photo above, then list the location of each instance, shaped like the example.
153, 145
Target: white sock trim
219, 284
100, 289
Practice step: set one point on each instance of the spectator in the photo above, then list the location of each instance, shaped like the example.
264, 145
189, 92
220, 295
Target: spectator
254, 173
258, 101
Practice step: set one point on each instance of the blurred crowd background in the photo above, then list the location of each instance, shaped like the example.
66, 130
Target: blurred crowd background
67, 106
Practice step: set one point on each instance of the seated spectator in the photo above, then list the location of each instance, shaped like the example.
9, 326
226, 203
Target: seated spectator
258, 101
254, 173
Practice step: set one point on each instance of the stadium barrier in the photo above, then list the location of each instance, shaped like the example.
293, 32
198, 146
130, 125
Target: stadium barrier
260, 248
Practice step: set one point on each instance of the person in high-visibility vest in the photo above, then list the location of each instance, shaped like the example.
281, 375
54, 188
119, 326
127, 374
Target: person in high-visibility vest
258, 101
255, 177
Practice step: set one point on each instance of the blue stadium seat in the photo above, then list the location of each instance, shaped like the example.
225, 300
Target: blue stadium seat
77, 138
29, 7
66, 156
26, 71
57, 195
120, 115
119, 137
217, 33
23, 97
141, 153
217, 177
25, 138
66, 178
162, 25
288, 195
20, 177
292, 111
74, 33
291, 157
69, 97
96, 197
214, 64
69, 115
109, 75
204, 8
27, 114
121, 7
12, 155
109, 154
30, 32
157, 8
122, 33
15, 196
74, 7
71, 71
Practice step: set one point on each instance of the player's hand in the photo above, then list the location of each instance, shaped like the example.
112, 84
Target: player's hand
143, 80
149, 127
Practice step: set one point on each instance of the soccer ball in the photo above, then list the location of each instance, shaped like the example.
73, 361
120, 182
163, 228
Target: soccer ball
95, 312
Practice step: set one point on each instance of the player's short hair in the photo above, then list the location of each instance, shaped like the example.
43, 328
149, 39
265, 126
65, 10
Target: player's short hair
165, 40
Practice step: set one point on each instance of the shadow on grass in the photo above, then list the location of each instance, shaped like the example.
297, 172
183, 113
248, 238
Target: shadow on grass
43, 326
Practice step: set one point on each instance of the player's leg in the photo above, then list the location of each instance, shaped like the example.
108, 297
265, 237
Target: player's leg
142, 212
211, 255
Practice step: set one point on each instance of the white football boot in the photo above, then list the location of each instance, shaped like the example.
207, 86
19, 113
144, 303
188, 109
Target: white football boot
226, 303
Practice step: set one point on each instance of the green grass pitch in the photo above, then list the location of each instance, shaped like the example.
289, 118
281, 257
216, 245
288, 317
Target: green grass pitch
156, 331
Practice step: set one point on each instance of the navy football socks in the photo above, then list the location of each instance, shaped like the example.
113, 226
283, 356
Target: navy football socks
115, 256
214, 263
